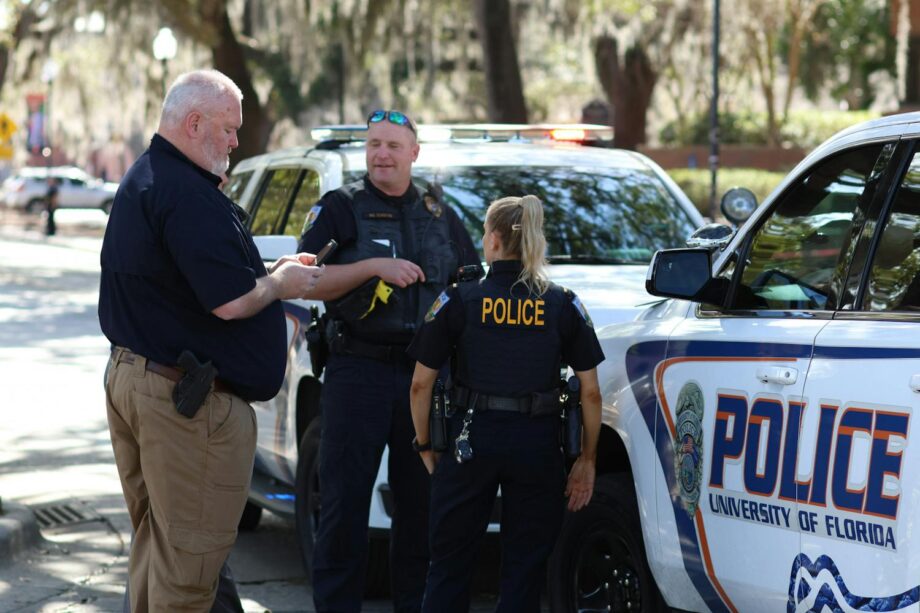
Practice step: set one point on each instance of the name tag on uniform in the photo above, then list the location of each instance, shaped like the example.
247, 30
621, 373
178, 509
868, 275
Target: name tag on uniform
381, 215
515, 312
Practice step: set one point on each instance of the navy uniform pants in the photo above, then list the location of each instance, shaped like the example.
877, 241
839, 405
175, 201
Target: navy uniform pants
365, 406
522, 455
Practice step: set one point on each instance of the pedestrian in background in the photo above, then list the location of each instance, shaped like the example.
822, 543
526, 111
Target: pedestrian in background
180, 272
509, 334
399, 246
51, 204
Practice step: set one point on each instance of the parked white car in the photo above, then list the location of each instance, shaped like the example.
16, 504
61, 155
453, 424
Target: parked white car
756, 452
607, 211
26, 189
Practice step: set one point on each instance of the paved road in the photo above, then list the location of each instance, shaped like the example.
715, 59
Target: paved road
54, 443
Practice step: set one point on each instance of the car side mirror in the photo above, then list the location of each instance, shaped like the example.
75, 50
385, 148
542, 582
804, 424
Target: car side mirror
271, 248
684, 274
738, 204
712, 236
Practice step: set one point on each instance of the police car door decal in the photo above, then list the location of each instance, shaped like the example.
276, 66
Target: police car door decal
695, 417
858, 551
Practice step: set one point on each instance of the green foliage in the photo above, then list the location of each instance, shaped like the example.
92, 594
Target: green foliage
696, 183
849, 40
806, 129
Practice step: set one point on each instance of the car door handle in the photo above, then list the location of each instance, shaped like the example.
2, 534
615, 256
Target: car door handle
784, 375
915, 383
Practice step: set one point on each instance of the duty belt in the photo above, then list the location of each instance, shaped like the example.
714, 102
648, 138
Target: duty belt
384, 353
537, 403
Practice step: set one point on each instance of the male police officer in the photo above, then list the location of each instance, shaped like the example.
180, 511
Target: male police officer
399, 248
180, 273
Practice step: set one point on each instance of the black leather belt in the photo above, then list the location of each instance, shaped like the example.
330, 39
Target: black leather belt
537, 403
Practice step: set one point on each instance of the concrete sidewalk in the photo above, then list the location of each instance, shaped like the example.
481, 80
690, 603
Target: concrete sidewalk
18, 530
77, 229
18, 525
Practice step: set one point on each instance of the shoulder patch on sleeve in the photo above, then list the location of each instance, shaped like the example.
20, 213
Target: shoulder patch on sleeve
437, 305
582, 310
312, 214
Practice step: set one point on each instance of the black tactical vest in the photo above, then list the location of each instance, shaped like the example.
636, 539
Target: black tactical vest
418, 232
510, 344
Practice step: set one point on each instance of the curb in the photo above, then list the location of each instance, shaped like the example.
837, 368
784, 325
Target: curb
18, 530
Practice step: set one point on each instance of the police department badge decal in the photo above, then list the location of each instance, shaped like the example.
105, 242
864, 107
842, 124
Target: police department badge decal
688, 445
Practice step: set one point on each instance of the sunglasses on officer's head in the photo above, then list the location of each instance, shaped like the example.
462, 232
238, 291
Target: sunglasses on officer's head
396, 117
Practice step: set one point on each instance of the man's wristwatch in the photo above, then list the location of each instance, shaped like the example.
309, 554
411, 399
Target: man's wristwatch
419, 447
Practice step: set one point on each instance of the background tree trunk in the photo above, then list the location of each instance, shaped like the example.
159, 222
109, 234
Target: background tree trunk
229, 59
628, 86
503, 75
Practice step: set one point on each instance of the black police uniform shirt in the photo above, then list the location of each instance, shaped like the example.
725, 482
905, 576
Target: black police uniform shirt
332, 217
501, 319
175, 248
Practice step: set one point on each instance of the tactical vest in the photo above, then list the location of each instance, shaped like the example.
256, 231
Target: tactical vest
511, 343
410, 232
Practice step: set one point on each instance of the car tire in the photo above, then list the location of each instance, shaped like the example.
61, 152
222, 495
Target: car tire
35, 205
599, 562
306, 492
252, 514
107, 207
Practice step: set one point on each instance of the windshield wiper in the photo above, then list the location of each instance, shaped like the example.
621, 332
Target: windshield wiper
591, 259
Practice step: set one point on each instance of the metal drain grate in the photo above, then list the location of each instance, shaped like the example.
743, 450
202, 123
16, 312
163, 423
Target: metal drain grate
57, 515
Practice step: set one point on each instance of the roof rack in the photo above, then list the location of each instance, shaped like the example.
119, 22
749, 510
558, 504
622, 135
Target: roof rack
333, 136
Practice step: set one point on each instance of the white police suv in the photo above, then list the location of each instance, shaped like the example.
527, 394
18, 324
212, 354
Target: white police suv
606, 213
756, 449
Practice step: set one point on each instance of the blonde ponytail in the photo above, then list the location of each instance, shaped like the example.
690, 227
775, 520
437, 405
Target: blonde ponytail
519, 222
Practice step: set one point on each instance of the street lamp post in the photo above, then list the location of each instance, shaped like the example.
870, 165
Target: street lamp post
714, 113
49, 72
164, 49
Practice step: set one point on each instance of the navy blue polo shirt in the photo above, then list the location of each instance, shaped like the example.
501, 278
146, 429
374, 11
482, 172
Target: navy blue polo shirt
175, 248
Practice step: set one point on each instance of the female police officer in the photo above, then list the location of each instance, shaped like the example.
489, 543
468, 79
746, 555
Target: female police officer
509, 334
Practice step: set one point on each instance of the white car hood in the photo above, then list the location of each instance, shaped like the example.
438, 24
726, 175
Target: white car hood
612, 294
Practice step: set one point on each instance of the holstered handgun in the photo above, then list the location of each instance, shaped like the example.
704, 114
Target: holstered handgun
316, 342
437, 419
191, 390
571, 416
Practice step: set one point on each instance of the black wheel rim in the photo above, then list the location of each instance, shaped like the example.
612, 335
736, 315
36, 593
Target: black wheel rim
606, 574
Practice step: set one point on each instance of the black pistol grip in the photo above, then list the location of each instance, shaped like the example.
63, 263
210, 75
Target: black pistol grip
192, 390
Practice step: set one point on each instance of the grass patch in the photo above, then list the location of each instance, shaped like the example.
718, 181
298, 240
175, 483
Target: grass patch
696, 183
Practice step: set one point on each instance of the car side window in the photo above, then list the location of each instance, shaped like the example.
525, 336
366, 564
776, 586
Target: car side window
236, 185
798, 255
894, 278
306, 197
276, 195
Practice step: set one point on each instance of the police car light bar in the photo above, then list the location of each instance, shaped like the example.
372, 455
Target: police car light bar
342, 134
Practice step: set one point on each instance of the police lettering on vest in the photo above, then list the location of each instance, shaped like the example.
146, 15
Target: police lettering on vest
520, 312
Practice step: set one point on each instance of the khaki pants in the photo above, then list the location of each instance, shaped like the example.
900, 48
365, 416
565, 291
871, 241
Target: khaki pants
185, 483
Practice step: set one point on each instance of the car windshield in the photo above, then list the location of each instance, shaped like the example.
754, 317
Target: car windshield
593, 215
